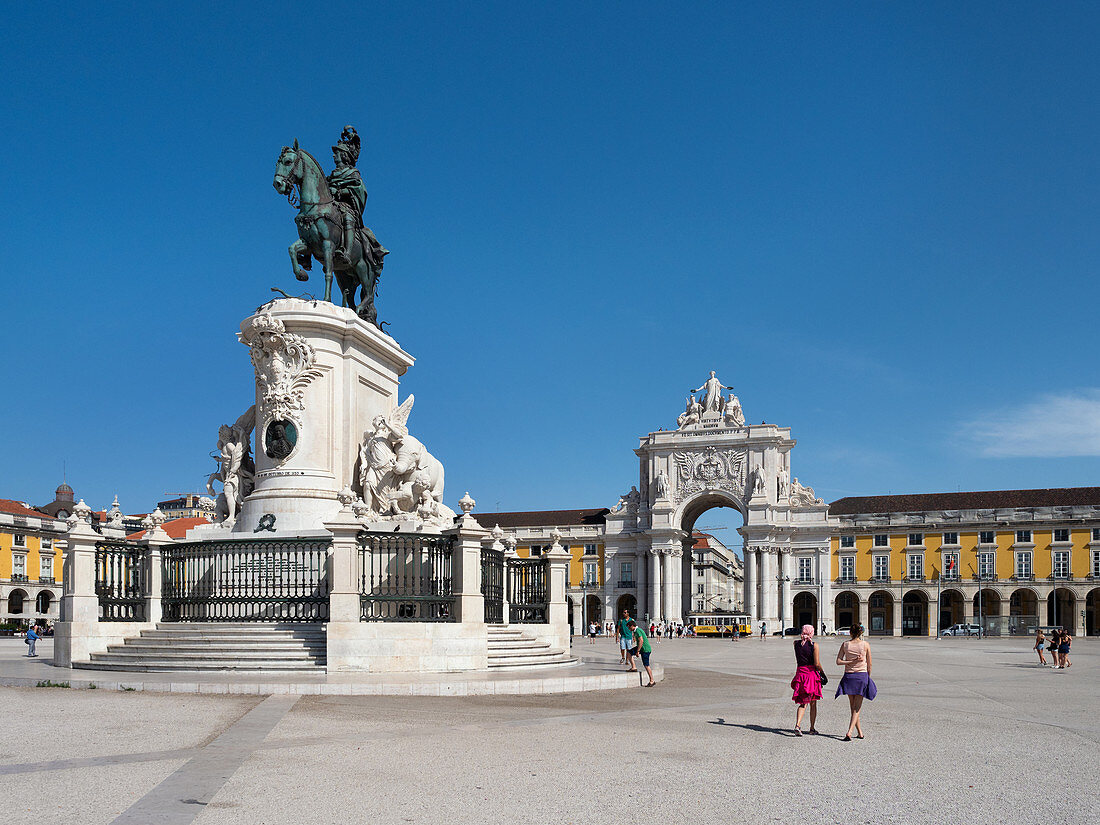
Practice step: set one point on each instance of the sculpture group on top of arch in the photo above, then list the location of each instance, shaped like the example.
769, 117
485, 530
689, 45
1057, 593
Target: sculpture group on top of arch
713, 410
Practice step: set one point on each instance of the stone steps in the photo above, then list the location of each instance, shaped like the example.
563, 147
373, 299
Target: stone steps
510, 647
195, 646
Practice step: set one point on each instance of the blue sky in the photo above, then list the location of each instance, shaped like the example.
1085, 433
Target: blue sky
878, 222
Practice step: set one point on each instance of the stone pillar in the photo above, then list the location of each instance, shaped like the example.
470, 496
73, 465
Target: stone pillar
466, 571
668, 588
509, 554
655, 584
895, 622
1078, 616
933, 608
750, 582
80, 605
557, 560
825, 611
767, 585
676, 591
786, 613
154, 573
342, 567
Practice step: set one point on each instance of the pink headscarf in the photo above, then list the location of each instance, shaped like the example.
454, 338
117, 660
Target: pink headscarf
807, 632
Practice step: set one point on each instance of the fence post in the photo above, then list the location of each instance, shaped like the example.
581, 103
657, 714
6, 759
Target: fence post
509, 554
557, 579
79, 602
154, 558
342, 566
466, 564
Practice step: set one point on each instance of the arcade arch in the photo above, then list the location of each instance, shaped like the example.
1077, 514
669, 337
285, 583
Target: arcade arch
16, 601
1060, 609
1092, 612
880, 612
805, 610
914, 614
846, 609
952, 609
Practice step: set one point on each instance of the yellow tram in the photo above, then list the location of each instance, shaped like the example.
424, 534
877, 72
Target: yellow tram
720, 625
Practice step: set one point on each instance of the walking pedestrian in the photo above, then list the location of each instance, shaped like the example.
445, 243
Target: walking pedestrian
592, 628
1040, 641
622, 630
1052, 646
32, 638
806, 683
643, 649
763, 630
855, 655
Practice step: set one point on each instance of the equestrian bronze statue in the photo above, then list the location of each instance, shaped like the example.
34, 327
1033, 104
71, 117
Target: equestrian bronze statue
330, 222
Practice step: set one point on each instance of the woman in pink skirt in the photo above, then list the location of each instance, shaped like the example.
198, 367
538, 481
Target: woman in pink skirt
806, 683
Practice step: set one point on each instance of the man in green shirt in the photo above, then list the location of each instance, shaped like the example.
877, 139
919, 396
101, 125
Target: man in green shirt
641, 644
625, 640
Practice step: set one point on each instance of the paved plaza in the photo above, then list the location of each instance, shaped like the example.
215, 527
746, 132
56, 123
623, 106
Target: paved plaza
962, 730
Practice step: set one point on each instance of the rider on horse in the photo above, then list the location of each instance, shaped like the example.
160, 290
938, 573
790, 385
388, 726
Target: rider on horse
350, 194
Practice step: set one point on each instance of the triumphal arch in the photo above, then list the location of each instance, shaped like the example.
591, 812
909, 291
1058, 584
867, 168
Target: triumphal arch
714, 458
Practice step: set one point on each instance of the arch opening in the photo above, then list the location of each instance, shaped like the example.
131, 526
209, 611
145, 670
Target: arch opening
711, 566
880, 614
914, 614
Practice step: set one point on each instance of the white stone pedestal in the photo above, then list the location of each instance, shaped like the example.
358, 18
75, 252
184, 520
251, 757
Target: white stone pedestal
327, 373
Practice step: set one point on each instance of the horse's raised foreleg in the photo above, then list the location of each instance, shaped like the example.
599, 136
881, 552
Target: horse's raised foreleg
296, 249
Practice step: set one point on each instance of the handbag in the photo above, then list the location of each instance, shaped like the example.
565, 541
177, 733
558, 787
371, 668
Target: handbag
824, 678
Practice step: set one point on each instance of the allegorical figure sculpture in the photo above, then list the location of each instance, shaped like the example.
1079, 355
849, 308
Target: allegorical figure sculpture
802, 495
712, 400
398, 476
734, 415
330, 222
236, 470
692, 414
660, 485
757, 481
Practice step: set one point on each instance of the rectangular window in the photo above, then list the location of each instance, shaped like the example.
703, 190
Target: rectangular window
699, 588
848, 568
987, 565
950, 538
1061, 564
47, 544
882, 540
1096, 564
20, 540
1096, 533
1061, 535
986, 537
19, 564
1023, 536
590, 549
805, 569
850, 541
626, 572
45, 567
590, 572
916, 566
951, 565
881, 568
1023, 565
536, 550
916, 539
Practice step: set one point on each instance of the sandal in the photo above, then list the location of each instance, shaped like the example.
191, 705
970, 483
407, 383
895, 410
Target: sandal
847, 738
797, 731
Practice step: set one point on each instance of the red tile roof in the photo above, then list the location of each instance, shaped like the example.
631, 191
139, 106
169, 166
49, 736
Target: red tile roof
542, 518
176, 528
984, 500
701, 541
18, 508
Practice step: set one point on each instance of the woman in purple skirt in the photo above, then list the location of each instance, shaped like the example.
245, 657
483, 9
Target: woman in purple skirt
806, 683
855, 655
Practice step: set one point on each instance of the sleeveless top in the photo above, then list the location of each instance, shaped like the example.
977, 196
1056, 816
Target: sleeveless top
804, 654
854, 656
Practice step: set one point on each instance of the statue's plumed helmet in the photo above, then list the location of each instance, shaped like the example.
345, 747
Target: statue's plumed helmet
349, 144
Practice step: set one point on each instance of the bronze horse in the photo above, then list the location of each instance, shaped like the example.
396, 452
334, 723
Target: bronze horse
320, 230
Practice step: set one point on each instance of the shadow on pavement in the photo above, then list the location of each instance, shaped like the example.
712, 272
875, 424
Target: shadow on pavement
754, 728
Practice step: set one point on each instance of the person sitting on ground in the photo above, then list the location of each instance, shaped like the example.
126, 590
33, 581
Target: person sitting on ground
641, 648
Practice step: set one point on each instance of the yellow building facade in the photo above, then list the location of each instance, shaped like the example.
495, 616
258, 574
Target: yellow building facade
1007, 561
30, 564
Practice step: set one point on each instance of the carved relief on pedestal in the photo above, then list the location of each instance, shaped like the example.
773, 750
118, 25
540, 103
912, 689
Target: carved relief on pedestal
710, 469
284, 364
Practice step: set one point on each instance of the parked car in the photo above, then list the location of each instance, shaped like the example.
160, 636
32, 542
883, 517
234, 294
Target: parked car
790, 631
965, 629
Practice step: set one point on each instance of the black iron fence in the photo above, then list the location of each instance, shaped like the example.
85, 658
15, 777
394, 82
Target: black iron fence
492, 585
527, 591
120, 570
405, 578
251, 580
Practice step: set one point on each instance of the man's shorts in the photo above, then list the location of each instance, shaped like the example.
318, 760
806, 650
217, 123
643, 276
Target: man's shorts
645, 657
624, 643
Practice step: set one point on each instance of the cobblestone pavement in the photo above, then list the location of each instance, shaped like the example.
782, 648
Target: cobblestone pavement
962, 730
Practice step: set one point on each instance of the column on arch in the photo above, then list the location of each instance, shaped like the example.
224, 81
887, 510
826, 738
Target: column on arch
826, 612
750, 582
668, 582
786, 609
767, 584
654, 584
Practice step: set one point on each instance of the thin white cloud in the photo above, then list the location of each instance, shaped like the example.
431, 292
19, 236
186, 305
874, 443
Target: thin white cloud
1054, 426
